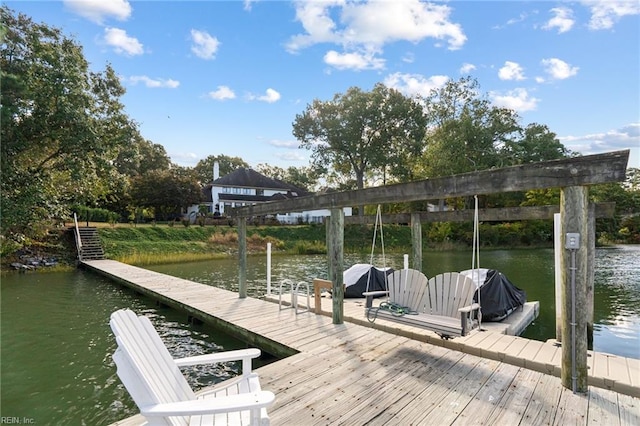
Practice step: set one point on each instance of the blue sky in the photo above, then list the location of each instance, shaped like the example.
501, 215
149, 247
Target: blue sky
228, 77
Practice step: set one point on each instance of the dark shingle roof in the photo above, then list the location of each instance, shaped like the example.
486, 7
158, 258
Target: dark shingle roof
249, 178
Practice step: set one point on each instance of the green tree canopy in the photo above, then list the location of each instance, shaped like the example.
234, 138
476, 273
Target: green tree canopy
538, 143
141, 156
204, 169
301, 177
167, 192
62, 125
361, 132
467, 133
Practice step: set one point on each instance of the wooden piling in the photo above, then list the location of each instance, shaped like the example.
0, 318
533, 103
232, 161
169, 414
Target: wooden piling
242, 257
416, 241
574, 212
336, 261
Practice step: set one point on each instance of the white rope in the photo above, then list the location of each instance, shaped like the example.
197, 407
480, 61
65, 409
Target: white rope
373, 246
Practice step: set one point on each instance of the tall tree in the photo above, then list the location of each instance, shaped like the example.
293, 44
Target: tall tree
301, 177
204, 168
538, 143
362, 132
62, 125
142, 156
139, 157
467, 132
167, 192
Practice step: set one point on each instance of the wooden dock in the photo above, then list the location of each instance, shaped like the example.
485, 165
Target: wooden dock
355, 374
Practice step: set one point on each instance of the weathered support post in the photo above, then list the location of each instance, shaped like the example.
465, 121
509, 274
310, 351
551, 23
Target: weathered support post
557, 255
327, 232
416, 241
336, 262
591, 260
242, 257
268, 269
574, 210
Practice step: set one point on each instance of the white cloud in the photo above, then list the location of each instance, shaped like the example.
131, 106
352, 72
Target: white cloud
518, 100
204, 45
154, 83
466, 68
99, 10
248, 5
185, 159
122, 43
354, 61
284, 144
612, 140
369, 25
511, 71
562, 20
291, 156
270, 96
558, 69
222, 93
521, 18
409, 58
414, 84
605, 13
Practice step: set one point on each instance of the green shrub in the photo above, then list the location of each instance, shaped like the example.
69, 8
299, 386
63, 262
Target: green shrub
309, 247
88, 214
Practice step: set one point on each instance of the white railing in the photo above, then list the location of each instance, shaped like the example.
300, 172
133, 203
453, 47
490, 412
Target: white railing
78, 239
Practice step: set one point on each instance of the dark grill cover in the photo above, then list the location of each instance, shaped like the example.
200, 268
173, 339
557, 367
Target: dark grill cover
355, 279
498, 296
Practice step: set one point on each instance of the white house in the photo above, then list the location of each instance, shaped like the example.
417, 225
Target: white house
246, 186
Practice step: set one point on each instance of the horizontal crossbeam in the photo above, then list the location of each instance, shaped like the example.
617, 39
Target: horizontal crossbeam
577, 171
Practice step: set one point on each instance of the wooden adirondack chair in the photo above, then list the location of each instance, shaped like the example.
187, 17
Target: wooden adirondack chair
443, 304
161, 392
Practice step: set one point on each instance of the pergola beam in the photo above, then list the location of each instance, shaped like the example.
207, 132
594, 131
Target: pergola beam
503, 214
577, 171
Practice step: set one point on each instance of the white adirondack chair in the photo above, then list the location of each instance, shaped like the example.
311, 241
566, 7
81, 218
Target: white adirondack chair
442, 304
161, 392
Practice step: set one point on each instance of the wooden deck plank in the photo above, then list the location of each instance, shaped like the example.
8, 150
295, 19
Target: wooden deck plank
451, 407
542, 407
603, 407
356, 373
513, 404
448, 373
404, 373
572, 409
629, 409
480, 409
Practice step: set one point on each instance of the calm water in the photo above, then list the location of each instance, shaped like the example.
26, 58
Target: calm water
56, 343
617, 284
56, 348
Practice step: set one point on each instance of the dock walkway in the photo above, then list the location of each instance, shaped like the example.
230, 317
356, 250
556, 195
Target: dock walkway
353, 374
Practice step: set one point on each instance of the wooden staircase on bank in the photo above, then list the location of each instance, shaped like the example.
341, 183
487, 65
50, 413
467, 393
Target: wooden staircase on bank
90, 247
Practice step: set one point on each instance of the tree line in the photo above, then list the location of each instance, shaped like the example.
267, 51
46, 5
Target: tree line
66, 141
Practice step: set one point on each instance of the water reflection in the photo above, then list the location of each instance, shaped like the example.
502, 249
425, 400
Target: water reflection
57, 345
616, 292
617, 300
